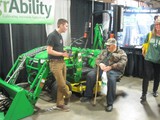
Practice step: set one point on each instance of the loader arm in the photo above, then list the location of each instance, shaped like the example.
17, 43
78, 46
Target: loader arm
23, 99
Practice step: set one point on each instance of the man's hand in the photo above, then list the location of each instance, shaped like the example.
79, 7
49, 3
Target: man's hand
65, 54
107, 68
104, 67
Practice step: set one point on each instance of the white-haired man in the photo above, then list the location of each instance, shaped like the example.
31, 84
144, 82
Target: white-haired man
113, 61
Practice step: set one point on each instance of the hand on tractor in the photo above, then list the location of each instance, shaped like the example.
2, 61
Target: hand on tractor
65, 54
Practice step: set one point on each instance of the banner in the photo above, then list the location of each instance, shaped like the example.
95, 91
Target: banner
27, 11
141, 10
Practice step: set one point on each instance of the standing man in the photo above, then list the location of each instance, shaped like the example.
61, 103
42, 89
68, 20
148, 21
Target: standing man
113, 61
56, 62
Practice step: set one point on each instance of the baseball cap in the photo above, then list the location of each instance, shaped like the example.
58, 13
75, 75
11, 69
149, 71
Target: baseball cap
111, 41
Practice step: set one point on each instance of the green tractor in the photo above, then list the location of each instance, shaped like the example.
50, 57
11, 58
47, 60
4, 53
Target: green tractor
18, 99
80, 62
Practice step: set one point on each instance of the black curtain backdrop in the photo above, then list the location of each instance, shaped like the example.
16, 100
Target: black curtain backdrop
5, 50
80, 13
25, 37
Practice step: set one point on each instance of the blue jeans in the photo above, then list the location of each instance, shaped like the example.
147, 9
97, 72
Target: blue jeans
112, 78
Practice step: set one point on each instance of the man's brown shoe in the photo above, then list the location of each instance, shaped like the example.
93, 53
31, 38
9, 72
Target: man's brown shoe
63, 108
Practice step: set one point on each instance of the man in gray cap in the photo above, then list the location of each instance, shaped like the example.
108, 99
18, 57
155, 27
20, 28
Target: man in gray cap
113, 61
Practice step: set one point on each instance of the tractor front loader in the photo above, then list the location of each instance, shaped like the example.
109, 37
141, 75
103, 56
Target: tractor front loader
17, 100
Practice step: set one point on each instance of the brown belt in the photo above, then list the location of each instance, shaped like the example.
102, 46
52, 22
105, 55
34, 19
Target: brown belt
60, 60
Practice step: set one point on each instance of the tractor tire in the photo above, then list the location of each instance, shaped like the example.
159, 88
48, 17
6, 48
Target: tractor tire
54, 89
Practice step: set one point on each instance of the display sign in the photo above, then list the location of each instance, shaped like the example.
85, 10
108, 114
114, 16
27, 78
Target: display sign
26, 11
137, 24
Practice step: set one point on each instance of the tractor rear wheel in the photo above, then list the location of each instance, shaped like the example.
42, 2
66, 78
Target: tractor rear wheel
54, 89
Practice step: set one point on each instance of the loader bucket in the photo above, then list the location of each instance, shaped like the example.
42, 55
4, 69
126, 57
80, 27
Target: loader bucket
20, 106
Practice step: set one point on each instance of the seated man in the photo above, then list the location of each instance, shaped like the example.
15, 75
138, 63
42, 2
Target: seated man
113, 61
